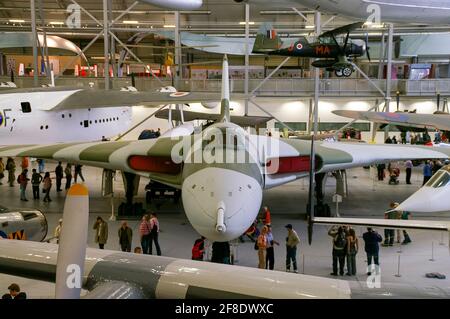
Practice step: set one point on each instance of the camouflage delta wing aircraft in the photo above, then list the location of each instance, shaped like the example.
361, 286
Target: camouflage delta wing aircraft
223, 171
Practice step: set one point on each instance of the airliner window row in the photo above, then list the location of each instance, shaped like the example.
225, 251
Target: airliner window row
114, 119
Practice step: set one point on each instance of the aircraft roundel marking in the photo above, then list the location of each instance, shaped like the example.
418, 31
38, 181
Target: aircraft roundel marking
3, 235
396, 116
179, 94
1, 119
299, 46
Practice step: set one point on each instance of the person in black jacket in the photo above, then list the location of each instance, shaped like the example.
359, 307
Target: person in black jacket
372, 242
59, 172
14, 293
221, 252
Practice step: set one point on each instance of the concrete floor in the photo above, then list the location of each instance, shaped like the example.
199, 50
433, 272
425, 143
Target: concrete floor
367, 198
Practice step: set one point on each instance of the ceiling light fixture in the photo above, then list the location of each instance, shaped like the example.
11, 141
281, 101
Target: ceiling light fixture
16, 20
130, 22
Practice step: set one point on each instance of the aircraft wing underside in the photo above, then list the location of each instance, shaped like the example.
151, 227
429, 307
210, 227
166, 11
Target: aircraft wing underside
338, 156
154, 158
147, 158
84, 99
441, 121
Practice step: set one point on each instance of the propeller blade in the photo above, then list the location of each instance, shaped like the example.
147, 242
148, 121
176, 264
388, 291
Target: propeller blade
72, 244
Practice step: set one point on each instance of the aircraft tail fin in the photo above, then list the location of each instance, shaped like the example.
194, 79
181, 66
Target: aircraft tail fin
267, 40
225, 103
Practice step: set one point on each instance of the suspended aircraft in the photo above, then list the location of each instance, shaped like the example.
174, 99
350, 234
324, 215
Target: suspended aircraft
408, 11
329, 52
176, 4
403, 120
222, 171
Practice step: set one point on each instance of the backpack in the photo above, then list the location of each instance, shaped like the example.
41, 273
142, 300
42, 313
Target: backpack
339, 241
196, 252
19, 178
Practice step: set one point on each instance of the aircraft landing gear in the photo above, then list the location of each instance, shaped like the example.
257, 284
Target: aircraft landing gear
344, 72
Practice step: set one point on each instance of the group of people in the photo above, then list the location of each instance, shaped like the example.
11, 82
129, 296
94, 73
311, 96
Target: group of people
36, 179
429, 169
264, 243
149, 233
148, 229
406, 137
345, 245
389, 234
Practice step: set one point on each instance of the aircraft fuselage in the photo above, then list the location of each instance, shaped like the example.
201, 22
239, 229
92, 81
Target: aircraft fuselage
27, 118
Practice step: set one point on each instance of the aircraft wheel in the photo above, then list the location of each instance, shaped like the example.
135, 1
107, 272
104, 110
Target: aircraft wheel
338, 73
347, 72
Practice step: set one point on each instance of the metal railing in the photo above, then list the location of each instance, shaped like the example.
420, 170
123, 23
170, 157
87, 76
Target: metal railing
273, 87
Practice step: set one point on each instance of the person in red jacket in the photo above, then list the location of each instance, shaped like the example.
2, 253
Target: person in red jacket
267, 219
198, 250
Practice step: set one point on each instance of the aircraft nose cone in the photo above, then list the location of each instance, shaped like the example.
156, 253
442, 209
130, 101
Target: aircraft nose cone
221, 204
427, 200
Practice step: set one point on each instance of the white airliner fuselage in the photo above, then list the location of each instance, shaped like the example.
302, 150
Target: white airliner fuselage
29, 118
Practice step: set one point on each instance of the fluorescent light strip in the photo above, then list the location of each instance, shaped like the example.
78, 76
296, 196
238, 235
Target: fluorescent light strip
16, 20
130, 22
244, 23
169, 26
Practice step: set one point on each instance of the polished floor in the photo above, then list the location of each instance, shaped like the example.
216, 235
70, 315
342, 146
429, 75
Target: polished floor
367, 198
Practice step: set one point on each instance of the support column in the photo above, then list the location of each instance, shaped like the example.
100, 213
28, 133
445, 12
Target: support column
312, 184
106, 42
390, 50
318, 31
112, 49
382, 56
310, 117
45, 56
247, 57
35, 40
178, 58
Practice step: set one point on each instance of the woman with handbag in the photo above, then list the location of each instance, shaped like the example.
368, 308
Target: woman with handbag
47, 185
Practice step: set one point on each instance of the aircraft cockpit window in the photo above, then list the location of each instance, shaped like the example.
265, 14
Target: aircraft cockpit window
3, 210
28, 216
440, 179
225, 138
26, 107
326, 40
